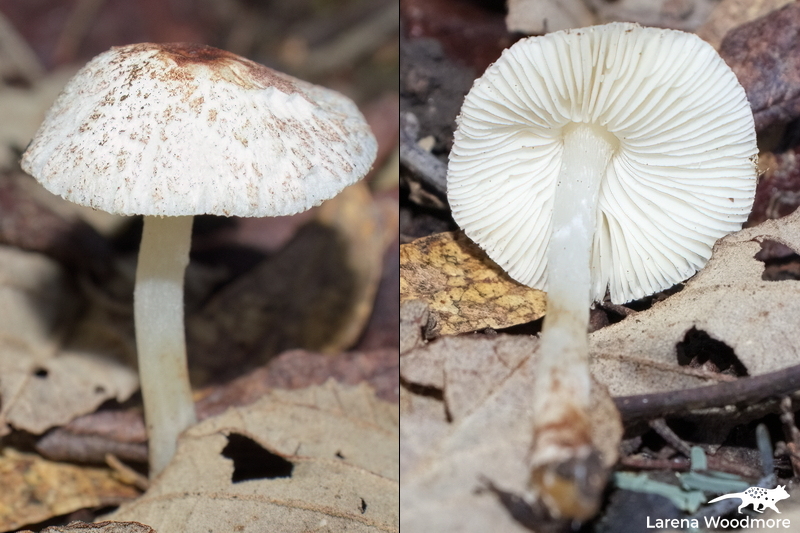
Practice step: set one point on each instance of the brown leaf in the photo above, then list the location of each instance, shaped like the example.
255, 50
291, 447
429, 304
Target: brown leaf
298, 369
316, 293
778, 189
728, 300
541, 16
122, 433
333, 454
448, 446
44, 386
33, 489
765, 55
466, 291
729, 14
99, 527
29, 224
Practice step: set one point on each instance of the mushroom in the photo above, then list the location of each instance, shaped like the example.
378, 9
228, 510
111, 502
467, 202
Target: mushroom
609, 158
174, 130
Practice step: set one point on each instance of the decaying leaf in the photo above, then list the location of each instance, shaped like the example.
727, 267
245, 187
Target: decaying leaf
31, 221
482, 430
315, 294
541, 16
354, 214
466, 291
728, 300
33, 489
684, 15
729, 14
41, 385
322, 458
765, 55
98, 527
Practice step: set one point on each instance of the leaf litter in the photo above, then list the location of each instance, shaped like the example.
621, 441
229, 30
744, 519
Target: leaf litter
448, 445
327, 457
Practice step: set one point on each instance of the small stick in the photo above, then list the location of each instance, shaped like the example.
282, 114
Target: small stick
747, 390
714, 463
424, 166
127, 474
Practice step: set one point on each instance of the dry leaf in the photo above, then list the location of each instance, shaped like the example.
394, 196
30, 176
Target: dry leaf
765, 55
685, 15
729, 14
33, 489
443, 460
466, 291
367, 231
328, 460
32, 222
43, 386
728, 300
316, 293
482, 429
98, 527
542, 16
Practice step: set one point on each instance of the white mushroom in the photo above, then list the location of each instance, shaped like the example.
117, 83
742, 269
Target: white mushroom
609, 158
174, 130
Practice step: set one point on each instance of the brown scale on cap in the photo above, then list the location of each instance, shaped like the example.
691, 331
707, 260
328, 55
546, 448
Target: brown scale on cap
224, 65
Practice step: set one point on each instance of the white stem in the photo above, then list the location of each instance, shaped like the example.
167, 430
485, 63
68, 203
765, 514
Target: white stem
562, 378
160, 336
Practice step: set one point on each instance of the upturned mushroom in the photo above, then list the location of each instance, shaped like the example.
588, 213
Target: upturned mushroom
602, 160
174, 130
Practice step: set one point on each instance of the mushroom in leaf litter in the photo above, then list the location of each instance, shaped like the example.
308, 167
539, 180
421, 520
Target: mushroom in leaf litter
605, 159
170, 131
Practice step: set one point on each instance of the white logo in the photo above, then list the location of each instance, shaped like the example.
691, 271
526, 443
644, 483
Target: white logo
760, 498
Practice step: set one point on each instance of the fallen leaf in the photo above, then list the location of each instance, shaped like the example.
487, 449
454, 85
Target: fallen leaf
42, 384
729, 14
685, 15
322, 458
765, 56
33, 489
368, 230
462, 440
728, 300
480, 428
98, 527
120, 432
542, 16
778, 189
466, 291
299, 369
29, 223
316, 293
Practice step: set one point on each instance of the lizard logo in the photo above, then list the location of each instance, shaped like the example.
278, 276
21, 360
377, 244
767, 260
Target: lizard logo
759, 497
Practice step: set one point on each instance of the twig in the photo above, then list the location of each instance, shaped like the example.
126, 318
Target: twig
719, 464
424, 166
126, 474
618, 309
639, 462
669, 367
744, 390
660, 426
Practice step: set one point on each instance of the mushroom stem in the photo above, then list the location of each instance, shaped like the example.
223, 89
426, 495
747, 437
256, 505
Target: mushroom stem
160, 336
562, 386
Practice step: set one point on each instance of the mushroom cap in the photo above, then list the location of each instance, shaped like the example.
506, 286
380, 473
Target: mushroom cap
184, 129
682, 175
